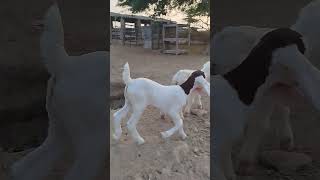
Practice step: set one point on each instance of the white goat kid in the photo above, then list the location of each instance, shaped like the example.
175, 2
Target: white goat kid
273, 72
181, 76
76, 105
141, 92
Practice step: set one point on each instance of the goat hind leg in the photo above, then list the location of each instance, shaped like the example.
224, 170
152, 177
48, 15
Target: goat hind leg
117, 117
178, 125
285, 132
37, 164
132, 123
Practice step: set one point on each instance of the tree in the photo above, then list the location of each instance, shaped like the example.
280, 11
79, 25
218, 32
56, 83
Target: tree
196, 12
161, 7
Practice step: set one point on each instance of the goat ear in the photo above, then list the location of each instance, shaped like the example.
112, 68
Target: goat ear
201, 85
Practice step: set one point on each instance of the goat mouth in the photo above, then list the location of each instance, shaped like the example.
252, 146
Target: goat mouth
199, 90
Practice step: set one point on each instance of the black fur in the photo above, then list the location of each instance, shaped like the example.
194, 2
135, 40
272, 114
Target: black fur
188, 84
252, 72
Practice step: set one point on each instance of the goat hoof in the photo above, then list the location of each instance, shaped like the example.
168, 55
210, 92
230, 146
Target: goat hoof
245, 168
140, 141
183, 136
164, 135
117, 135
286, 144
162, 117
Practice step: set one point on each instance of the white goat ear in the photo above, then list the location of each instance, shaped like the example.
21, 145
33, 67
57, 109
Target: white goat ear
122, 67
202, 84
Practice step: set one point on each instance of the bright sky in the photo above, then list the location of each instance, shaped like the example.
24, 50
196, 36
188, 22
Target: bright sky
174, 16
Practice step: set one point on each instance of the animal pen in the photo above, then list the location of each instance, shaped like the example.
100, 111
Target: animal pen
175, 34
137, 30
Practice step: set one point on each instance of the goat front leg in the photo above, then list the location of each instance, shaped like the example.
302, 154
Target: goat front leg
227, 166
181, 114
90, 151
190, 99
284, 127
258, 123
222, 164
178, 125
198, 101
162, 115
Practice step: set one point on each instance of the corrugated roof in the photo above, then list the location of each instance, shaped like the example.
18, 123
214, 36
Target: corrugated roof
113, 14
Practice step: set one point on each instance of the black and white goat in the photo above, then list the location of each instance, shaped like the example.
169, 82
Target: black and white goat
182, 75
76, 105
234, 43
141, 92
274, 71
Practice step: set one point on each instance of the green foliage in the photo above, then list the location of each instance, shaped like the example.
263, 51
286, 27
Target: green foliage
161, 7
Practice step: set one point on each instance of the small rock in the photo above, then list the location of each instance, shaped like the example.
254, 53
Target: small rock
196, 151
177, 167
284, 161
159, 171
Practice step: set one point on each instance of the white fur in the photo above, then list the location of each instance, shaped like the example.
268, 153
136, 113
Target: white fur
233, 44
228, 127
141, 92
76, 105
182, 75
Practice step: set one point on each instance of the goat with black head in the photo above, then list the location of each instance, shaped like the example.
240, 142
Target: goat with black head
142, 92
274, 71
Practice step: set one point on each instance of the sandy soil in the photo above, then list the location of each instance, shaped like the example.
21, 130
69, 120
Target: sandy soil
158, 159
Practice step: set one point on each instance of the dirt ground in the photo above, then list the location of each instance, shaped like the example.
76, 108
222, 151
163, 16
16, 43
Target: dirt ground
173, 159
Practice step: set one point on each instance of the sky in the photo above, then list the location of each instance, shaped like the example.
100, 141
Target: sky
174, 16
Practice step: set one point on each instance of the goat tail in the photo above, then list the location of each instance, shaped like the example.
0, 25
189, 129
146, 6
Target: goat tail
126, 74
52, 40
